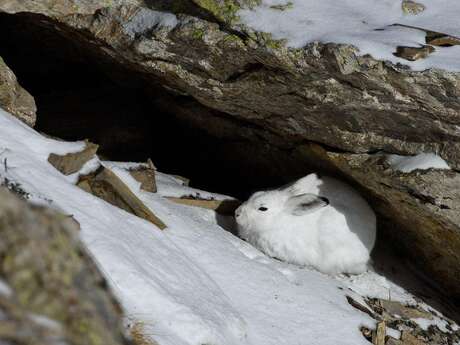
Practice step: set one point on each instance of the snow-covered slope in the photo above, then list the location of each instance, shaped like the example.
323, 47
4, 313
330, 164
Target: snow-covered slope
366, 24
193, 283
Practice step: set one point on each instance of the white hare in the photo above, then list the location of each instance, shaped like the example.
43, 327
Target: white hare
316, 221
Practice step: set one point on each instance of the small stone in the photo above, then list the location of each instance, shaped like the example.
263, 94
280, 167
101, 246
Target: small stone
367, 333
409, 339
283, 7
408, 312
146, 177
73, 162
413, 53
441, 40
412, 8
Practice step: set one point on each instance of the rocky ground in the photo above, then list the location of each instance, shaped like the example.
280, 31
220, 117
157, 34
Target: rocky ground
271, 109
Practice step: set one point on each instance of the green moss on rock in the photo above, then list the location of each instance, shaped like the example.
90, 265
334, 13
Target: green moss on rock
198, 34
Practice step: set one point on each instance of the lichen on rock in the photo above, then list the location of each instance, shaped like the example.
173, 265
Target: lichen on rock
53, 278
14, 98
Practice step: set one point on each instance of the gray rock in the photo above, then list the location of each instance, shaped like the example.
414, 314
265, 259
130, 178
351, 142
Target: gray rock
14, 98
54, 294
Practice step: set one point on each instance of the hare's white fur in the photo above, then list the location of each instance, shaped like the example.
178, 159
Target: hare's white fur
333, 233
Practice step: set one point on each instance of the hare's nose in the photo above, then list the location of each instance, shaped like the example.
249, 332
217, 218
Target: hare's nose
237, 212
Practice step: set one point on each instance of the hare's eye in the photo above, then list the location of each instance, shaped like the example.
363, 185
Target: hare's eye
263, 208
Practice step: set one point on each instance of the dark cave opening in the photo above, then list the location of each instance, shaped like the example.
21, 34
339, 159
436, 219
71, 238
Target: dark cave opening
79, 95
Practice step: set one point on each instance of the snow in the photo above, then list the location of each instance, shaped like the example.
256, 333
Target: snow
373, 285
422, 161
146, 19
89, 167
366, 24
172, 186
193, 283
436, 321
394, 333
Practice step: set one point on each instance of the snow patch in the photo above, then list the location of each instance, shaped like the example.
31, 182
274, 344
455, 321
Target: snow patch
438, 322
90, 166
422, 161
366, 24
126, 177
394, 333
146, 19
373, 285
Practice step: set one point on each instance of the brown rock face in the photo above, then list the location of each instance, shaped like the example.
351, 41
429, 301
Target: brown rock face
73, 162
56, 293
108, 186
269, 103
14, 98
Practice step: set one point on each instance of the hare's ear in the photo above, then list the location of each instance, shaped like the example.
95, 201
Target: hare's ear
302, 204
304, 184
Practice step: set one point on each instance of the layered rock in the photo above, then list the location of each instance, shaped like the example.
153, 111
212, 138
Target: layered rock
247, 88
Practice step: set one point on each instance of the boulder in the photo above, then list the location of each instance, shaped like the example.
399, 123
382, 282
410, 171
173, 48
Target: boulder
52, 292
14, 98
323, 106
106, 185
